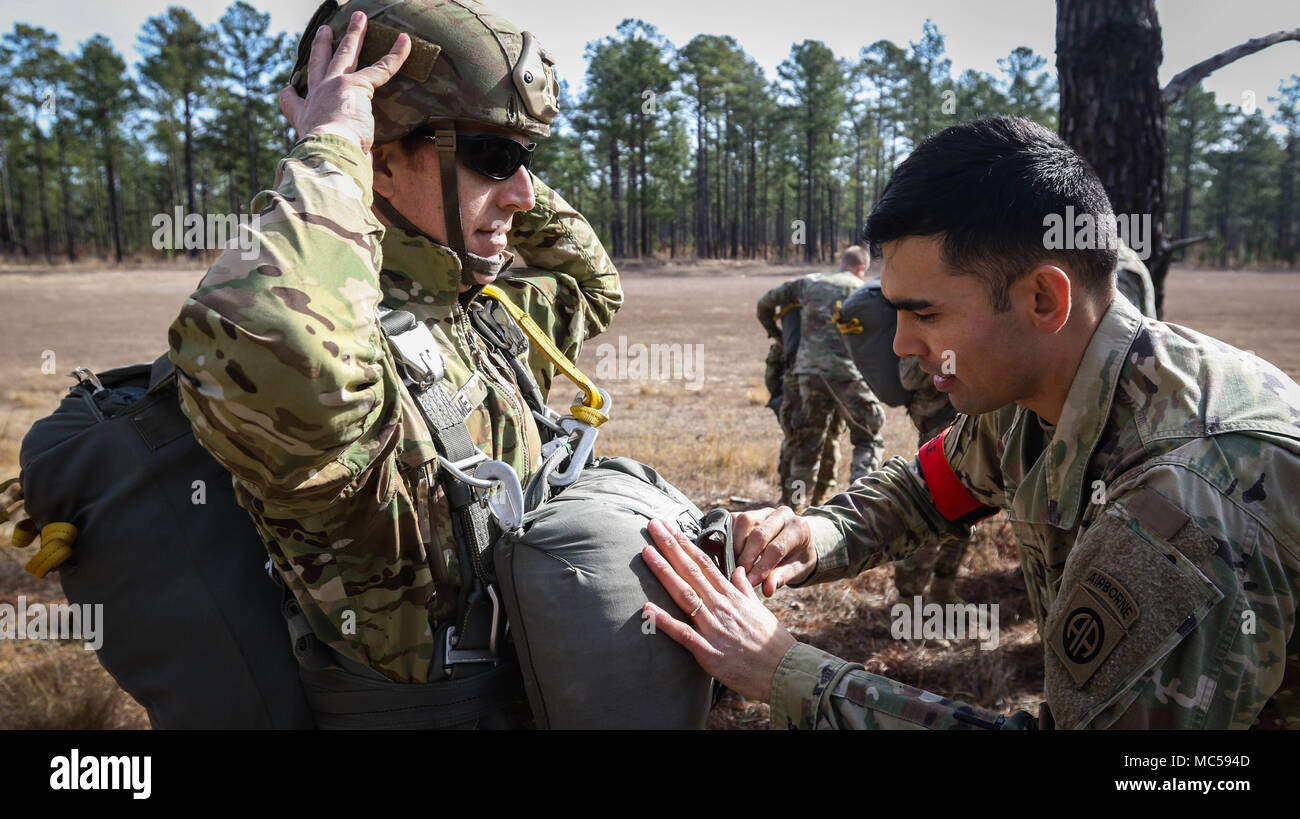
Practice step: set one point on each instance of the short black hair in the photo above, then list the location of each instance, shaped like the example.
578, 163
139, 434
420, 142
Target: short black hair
988, 186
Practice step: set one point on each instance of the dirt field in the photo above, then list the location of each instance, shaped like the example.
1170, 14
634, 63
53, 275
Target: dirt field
717, 442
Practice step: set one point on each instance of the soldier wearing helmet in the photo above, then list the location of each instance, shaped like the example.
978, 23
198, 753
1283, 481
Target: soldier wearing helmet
409, 189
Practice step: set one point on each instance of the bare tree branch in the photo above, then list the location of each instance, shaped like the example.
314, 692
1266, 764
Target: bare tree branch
1178, 244
1190, 77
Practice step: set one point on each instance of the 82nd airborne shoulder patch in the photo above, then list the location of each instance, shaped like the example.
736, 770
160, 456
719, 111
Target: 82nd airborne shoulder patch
1097, 617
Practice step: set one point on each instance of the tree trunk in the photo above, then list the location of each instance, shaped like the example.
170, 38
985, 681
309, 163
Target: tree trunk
11, 232
1108, 55
811, 237
1286, 203
701, 183
1185, 201
252, 144
616, 199
111, 183
64, 193
189, 165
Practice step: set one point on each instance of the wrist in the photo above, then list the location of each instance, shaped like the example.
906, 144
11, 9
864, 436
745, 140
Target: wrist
332, 129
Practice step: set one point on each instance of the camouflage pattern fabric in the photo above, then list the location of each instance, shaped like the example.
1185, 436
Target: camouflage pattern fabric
931, 412
798, 492
1157, 532
822, 351
1133, 281
824, 401
287, 379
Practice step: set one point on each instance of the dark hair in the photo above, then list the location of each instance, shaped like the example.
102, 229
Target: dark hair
989, 187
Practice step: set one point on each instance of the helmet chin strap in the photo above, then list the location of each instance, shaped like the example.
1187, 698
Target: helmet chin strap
445, 140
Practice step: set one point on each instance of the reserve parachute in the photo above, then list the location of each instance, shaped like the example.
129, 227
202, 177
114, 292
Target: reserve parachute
867, 324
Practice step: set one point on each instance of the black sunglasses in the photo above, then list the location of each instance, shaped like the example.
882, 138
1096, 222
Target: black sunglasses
494, 156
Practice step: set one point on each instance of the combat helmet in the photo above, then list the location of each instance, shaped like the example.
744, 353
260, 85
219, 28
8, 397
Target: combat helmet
467, 64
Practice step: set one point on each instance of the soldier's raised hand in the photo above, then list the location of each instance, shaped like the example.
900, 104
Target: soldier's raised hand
339, 96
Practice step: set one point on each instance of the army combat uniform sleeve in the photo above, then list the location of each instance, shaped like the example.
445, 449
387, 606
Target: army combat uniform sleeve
285, 377
773, 299
567, 282
890, 513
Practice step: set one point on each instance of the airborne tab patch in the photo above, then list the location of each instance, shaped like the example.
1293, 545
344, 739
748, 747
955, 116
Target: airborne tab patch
1112, 595
1086, 635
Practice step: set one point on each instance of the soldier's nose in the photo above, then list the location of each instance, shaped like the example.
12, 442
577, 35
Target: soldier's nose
516, 193
905, 343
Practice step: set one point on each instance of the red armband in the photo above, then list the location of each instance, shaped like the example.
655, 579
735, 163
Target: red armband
953, 500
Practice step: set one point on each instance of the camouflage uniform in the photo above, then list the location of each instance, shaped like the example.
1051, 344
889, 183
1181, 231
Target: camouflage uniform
931, 412
783, 385
1133, 281
1159, 541
829, 385
287, 379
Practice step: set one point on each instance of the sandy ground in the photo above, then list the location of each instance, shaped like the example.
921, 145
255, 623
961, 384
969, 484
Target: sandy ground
704, 427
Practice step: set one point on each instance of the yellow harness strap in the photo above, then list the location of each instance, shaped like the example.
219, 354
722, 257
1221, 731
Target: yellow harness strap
851, 327
590, 410
56, 547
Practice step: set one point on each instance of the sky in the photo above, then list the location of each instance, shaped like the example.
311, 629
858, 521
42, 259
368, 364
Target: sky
977, 32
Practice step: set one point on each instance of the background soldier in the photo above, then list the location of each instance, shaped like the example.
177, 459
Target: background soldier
1148, 469
828, 382
783, 386
284, 370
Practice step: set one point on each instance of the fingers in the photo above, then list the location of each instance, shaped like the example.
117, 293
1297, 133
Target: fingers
345, 57
386, 66
747, 547
679, 588
781, 543
759, 540
683, 634
319, 59
291, 105
705, 563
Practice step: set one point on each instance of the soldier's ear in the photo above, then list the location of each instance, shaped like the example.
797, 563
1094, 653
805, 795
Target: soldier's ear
1047, 292
383, 158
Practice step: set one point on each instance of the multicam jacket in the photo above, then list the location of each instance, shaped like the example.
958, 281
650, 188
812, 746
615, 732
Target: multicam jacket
1157, 530
287, 380
1133, 281
821, 350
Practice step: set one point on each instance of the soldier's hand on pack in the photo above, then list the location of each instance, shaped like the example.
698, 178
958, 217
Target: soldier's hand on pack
773, 546
729, 631
339, 96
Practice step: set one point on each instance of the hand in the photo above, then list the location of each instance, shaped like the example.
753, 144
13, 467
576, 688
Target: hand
339, 97
774, 545
735, 638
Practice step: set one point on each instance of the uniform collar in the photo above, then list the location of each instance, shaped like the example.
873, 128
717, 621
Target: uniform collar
1086, 411
417, 270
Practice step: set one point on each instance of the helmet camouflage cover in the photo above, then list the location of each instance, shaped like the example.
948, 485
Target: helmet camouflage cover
466, 64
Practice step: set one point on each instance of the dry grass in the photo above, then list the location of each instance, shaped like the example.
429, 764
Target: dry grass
718, 444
